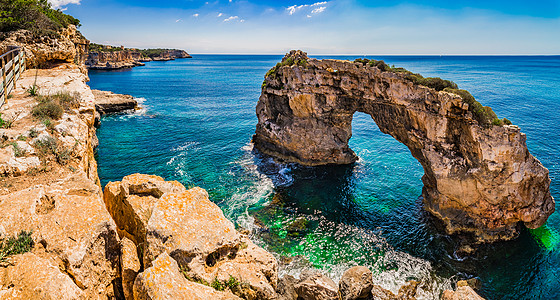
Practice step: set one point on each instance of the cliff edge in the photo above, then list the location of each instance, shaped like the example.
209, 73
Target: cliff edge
479, 176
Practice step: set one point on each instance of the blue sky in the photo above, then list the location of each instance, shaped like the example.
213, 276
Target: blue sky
324, 27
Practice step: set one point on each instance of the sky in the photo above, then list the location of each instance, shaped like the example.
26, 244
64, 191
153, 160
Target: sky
388, 27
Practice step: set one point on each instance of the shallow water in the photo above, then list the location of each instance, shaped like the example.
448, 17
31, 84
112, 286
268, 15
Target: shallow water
197, 124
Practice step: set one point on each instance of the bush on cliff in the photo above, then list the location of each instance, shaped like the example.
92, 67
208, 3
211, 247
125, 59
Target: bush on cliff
15, 245
53, 106
36, 16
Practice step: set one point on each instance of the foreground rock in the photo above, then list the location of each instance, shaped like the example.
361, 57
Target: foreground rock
477, 179
111, 103
316, 286
356, 283
164, 217
462, 293
163, 280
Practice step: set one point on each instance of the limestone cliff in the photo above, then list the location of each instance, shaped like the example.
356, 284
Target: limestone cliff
478, 178
112, 58
66, 46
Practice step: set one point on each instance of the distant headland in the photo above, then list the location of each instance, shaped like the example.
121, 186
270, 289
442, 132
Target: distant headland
106, 57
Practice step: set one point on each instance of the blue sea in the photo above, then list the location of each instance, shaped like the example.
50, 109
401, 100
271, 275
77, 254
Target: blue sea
196, 125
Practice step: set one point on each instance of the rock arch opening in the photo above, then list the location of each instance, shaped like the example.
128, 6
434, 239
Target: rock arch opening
479, 179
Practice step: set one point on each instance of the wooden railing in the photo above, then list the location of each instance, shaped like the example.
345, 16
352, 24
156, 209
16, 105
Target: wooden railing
13, 64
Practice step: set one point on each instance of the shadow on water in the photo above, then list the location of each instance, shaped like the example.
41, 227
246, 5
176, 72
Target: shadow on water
313, 206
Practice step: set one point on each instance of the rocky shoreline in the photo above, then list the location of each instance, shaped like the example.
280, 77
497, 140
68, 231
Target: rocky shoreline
112, 58
130, 240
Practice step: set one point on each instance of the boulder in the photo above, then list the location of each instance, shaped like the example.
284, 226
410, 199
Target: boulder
33, 277
130, 266
164, 281
462, 293
356, 283
287, 288
164, 217
316, 286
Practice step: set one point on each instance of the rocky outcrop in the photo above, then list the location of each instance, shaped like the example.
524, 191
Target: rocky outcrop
462, 293
164, 281
128, 58
77, 250
316, 286
356, 283
111, 103
67, 46
164, 218
477, 179
113, 60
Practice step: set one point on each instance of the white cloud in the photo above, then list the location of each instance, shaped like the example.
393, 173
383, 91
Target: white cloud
178, 20
316, 8
319, 10
196, 15
232, 18
220, 14
60, 3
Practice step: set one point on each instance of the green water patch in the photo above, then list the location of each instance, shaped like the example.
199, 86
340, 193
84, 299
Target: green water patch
546, 236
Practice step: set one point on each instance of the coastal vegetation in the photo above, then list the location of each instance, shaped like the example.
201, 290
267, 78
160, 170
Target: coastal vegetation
483, 114
37, 16
151, 53
15, 245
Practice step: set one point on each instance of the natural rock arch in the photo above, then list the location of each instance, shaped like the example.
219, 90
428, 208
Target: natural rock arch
477, 178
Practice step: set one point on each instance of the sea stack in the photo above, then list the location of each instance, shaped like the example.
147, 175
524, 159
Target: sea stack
479, 176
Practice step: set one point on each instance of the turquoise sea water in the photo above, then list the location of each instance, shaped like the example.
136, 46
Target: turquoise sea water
197, 124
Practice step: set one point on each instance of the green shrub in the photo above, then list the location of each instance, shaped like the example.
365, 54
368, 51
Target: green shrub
36, 16
506, 121
18, 245
18, 152
232, 283
47, 110
217, 285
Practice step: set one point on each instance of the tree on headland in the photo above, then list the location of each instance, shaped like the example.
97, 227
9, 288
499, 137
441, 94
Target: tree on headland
37, 16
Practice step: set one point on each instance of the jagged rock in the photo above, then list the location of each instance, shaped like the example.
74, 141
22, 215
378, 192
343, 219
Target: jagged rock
316, 286
194, 231
108, 102
32, 277
130, 266
477, 179
162, 216
462, 293
130, 202
69, 46
356, 283
163, 280
287, 288
406, 292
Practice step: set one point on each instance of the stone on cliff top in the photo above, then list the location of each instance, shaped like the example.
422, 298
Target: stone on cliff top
316, 286
356, 283
108, 102
479, 178
164, 281
32, 277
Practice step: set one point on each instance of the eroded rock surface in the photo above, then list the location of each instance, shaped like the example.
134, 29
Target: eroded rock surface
356, 283
164, 217
477, 179
164, 281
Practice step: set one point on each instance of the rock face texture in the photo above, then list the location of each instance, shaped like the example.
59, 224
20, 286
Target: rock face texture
356, 283
110, 103
70, 47
77, 249
162, 217
477, 179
